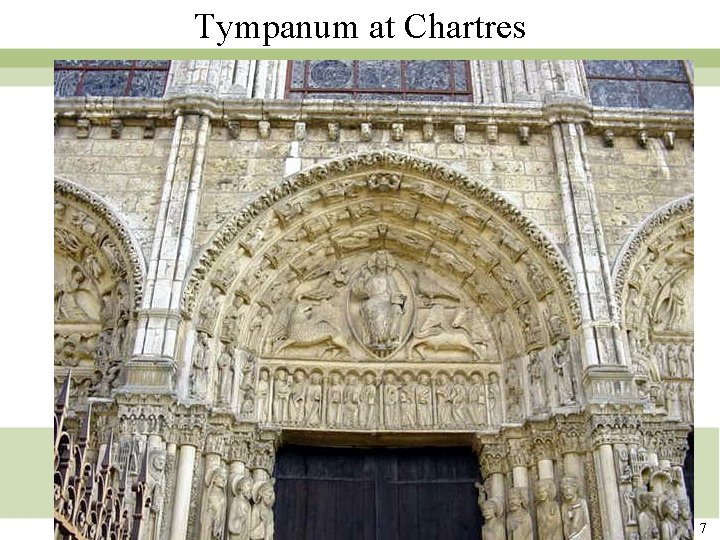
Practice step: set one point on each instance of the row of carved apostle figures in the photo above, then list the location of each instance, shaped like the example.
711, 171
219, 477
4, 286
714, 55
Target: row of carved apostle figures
370, 400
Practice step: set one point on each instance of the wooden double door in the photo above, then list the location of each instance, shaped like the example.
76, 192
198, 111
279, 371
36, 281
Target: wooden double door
378, 494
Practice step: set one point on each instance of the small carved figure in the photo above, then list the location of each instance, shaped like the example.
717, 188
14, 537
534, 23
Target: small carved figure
199, 377
670, 513
262, 523
685, 525
563, 370
391, 390
226, 367
368, 401
519, 522
240, 511
262, 395
298, 395
549, 519
576, 518
335, 399
444, 403
212, 520
476, 400
313, 401
648, 516
74, 301
493, 398
157, 493
351, 401
537, 279
423, 396
630, 511
514, 394
459, 399
532, 328
538, 387
281, 395
493, 528
233, 319
407, 401
209, 310
671, 311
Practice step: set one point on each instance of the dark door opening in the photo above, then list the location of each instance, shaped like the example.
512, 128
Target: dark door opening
376, 494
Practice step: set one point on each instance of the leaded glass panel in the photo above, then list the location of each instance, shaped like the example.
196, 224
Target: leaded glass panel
382, 80
650, 84
111, 77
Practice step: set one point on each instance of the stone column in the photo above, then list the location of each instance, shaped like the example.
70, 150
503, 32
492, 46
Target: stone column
603, 354
154, 363
492, 459
183, 488
519, 459
609, 493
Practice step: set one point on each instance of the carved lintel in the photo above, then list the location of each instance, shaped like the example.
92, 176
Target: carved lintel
398, 132
116, 126
263, 129
642, 138
149, 129
608, 138
300, 131
333, 131
428, 131
459, 133
491, 132
669, 139
524, 134
83, 128
234, 128
366, 131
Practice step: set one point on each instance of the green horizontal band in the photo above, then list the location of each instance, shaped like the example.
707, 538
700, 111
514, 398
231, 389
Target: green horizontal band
26, 470
26, 76
707, 460
44, 57
707, 76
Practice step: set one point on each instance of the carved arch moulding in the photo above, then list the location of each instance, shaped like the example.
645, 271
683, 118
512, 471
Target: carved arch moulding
99, 275
654, 284
381, 290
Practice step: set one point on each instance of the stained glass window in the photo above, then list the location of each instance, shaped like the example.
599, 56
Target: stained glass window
111, 77
651, 84
385, 80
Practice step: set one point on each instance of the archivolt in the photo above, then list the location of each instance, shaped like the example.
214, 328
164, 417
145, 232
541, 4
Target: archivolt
379, 171
133, 268
678, 213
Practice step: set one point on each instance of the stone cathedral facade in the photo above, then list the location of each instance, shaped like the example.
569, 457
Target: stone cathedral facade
495, 255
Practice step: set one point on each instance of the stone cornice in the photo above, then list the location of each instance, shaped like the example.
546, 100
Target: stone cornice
101, 109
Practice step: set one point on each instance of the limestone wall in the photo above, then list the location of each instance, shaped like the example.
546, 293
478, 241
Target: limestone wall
128, 173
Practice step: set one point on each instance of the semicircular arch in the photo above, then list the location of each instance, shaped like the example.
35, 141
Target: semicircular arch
99, 275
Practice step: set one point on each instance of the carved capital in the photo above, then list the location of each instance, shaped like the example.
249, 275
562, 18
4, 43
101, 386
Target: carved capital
492, 459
